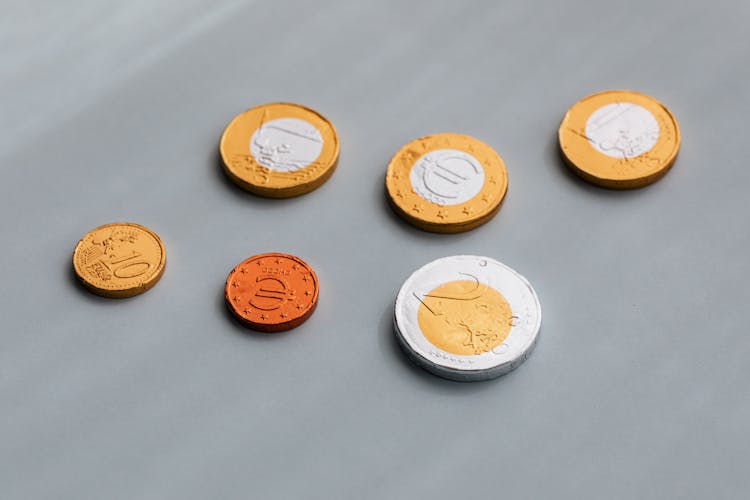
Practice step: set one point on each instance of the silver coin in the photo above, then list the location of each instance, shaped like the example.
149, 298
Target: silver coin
467, 318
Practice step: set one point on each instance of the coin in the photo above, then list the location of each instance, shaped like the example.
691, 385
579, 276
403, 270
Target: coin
272, 292
467, 318
446, 183
279, 150
119, 260
619, 139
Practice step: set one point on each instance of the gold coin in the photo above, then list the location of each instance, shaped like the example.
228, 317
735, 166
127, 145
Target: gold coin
446, 183
619, 139
452, 318
279, 150
119, 260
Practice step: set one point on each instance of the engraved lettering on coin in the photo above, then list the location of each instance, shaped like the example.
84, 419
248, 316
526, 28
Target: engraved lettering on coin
622, 130
286, 144
464, 317
447, 177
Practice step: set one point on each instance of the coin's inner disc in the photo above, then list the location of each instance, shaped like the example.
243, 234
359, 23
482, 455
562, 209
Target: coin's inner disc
286, 144
464, 317
622, 130
447, 177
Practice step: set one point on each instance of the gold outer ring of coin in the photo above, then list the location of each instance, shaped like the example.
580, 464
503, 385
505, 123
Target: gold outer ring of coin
96, 266
437, 218
614, 173
243, 169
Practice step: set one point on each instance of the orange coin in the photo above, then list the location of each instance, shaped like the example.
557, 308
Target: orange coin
272, 292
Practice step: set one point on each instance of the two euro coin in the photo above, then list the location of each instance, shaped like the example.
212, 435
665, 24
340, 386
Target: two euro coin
619, 139
446, 183
467, 318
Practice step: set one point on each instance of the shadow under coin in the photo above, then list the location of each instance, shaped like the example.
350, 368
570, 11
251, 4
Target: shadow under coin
90, 296
217, 165
241, 329
555, 155
390, 347
410, 229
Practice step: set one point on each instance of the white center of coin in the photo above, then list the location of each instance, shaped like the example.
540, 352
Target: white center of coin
622, 130
286, 144
447, 177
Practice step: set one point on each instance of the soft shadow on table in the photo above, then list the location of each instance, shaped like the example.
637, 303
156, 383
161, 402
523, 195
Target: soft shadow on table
238, 328
389, 346
217, 166
564, 173
412, 231
87, 294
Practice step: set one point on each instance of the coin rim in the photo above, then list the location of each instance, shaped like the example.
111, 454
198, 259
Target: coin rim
291, 189
142, 287
456, 374
588, 160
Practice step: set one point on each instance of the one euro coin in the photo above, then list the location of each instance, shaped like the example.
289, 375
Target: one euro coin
619, 139
279, 150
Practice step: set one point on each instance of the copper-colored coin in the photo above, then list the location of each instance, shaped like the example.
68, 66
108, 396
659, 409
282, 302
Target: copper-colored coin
119, 260
446, 183
279, 150
619, 139
272, 292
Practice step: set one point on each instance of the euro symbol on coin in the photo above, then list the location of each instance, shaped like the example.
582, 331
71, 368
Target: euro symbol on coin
448, 175
270, 295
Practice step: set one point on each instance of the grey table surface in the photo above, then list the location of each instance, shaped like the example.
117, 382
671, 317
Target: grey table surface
639, 386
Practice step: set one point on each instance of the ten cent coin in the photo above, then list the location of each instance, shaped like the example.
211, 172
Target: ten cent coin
619, 139
272, 292
446, 183
467, 318
119, 260
279, 150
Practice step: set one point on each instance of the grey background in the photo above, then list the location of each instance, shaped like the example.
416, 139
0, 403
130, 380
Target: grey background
112, 111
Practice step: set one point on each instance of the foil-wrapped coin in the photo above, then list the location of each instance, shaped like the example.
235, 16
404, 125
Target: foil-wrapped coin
446, 183
119, 260
279, 150
619, 139
272, 292
467, 318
